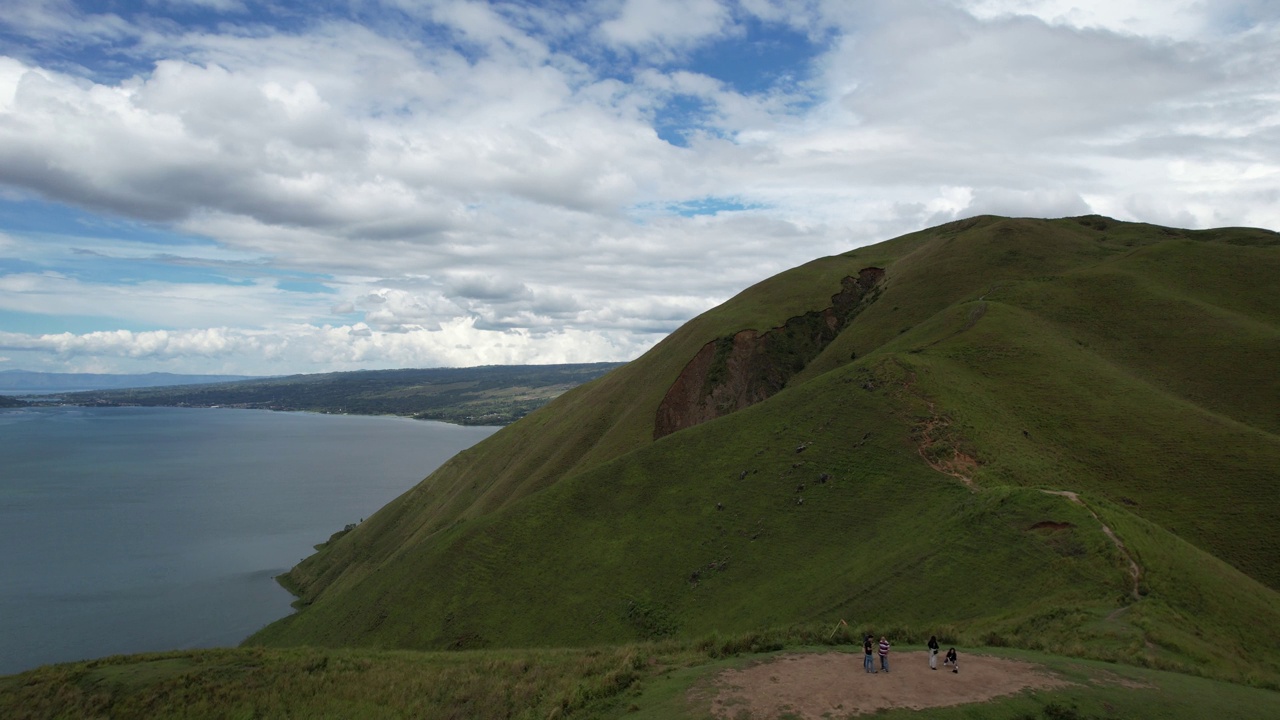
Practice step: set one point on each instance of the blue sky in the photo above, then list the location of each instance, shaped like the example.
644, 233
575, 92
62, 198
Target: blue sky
266, 188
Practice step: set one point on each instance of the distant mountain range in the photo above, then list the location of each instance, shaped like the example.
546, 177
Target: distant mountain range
15, 381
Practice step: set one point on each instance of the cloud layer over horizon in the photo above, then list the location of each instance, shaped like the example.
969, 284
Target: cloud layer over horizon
205, 186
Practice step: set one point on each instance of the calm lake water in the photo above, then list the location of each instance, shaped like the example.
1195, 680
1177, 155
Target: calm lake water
129, 530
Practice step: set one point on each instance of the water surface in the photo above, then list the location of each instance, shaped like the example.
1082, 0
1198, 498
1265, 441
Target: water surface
127, 530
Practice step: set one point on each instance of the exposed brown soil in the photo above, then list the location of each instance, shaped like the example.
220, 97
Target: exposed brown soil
747, 376
958, 464
1052, 525
834, 685
737, 371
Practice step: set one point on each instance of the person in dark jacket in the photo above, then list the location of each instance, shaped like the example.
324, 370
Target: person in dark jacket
866, 649
950, 659
933, 652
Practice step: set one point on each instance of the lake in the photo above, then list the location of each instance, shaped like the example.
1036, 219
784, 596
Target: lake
128, 530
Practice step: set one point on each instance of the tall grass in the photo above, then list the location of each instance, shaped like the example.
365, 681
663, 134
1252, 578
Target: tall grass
655, 679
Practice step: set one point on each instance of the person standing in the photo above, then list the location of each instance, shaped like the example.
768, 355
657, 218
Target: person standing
884, 653
866, 650
933, 652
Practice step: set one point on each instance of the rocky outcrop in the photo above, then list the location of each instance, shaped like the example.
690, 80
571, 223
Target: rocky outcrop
733, 372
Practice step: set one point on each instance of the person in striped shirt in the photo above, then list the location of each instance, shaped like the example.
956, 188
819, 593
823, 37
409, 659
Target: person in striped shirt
884, 653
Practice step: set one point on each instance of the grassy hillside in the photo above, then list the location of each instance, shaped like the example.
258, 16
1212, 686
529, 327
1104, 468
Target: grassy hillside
899, 478
660, 681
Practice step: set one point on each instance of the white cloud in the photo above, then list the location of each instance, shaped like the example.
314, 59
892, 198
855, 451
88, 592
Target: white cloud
57, 20
490, 176
666, 24
1180, 19
310, 348
226, 6
1020, 203
152, 302
1019, 81
397, 310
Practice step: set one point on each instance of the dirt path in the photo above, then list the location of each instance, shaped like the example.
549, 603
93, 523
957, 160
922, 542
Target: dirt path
1135, 572
959, 465
834, 685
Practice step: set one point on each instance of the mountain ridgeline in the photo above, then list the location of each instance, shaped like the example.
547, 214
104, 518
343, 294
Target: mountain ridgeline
1054, 434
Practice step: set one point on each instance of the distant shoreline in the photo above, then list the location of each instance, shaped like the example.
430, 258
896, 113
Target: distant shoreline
106, 406
489, 396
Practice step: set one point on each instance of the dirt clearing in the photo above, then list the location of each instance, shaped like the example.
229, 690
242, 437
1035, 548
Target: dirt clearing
834, 685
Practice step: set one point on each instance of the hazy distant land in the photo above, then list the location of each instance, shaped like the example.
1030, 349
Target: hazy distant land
490, 395
26, 381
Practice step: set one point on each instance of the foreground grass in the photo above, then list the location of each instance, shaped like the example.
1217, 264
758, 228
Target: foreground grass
312, 683
355, 683
644, 680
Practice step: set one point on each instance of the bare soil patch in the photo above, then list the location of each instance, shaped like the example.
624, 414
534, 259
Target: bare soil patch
834, 685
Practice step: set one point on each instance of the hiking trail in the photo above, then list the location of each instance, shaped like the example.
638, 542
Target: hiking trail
1135, 572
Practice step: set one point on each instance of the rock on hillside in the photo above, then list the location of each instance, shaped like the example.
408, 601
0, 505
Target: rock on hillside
741, 369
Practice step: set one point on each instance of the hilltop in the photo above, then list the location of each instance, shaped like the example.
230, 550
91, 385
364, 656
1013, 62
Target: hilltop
1058, 435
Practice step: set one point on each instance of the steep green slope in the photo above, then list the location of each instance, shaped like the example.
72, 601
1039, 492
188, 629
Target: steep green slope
586, 426
898, 478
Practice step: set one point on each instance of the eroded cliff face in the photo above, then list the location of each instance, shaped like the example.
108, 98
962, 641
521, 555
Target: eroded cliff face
733, 372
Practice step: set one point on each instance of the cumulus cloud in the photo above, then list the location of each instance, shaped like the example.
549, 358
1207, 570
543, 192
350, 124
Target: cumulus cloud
666, 24
1022, 203
1181, 19
458, 181
309, 348
226, 6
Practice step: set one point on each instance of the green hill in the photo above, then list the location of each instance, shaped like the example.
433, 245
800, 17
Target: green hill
876, 436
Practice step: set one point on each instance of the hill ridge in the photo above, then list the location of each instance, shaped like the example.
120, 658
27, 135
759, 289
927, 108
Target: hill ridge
1005, 350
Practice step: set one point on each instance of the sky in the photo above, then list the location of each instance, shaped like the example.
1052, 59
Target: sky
265, 188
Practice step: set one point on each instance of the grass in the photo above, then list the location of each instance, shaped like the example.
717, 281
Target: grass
324, 684
667, 680
1012, 355
896, 481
